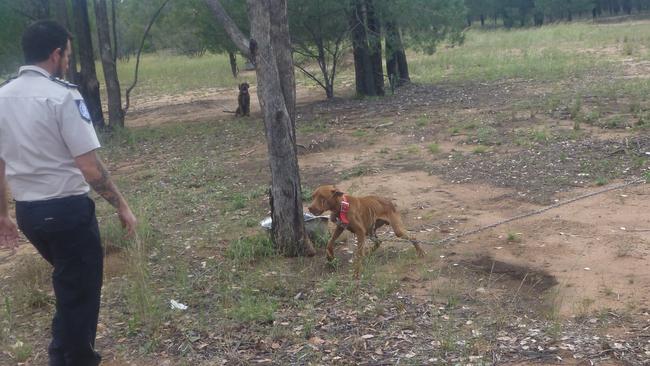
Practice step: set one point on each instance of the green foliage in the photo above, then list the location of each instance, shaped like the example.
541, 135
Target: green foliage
253, 308
434, 148
426, 23
13, 24
250, 248
318, 33
524, 12
187, 27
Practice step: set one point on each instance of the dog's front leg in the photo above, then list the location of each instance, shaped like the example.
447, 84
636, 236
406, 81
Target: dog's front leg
358, 260
330, 243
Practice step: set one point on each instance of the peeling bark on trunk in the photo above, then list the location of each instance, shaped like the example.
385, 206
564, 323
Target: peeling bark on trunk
270, 49
115, 112
374, 43
277, 94
233, 63
364, 79
60, 12
88, 84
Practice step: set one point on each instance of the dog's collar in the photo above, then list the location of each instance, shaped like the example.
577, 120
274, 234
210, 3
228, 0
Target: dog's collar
343, 210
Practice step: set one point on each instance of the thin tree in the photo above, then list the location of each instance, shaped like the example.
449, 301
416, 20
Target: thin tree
396, 64
363, 69
270, 49
137, 62
319, 31
59, 9
115, 111
88, 84
374, 45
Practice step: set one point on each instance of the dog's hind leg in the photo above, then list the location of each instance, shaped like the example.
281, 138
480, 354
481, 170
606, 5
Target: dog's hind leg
396, 224
373, 234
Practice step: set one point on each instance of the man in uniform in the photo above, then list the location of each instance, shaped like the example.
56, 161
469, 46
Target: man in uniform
48, 159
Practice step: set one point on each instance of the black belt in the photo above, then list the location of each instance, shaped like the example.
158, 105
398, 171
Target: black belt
52, 201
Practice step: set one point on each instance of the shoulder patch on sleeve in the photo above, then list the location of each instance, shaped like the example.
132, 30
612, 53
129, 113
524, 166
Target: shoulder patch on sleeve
83, 110
64, 83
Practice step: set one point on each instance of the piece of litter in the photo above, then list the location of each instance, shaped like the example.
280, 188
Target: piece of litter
622, 228
587, 269
367, 336
177, 305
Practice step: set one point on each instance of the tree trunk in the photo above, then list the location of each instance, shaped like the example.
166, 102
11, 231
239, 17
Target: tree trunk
374, 41
276, 91
322, 63
238, 38
270, 49
402, 65
88, 84
364, 78
137, 60
391, 54
115, 112
59, 9
482, 20
114, 30
233, 63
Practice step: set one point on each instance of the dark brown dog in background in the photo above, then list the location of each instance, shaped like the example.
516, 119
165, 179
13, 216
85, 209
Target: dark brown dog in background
243, 101
366, 215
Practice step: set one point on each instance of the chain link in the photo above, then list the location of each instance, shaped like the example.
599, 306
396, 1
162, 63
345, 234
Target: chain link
532, 213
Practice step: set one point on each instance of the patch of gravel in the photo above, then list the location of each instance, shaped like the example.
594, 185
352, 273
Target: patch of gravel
413, 97
399, 329
539, 172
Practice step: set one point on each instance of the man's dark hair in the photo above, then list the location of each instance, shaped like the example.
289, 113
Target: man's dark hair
41, 38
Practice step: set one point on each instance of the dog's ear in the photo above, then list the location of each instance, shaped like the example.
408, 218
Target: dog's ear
336, 192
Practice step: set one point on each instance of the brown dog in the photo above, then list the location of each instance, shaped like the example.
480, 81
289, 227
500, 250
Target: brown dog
243, 101
365, 215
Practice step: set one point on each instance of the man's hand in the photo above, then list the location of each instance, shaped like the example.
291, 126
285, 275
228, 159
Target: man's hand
97, 176
129, 222
8, 233
8, 230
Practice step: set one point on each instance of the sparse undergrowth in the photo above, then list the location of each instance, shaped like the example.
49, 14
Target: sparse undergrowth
200, 195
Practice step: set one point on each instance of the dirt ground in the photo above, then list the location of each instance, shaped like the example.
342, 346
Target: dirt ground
453, 158
596, 249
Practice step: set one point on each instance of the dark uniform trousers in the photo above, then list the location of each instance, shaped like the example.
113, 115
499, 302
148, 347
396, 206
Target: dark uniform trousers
66, 234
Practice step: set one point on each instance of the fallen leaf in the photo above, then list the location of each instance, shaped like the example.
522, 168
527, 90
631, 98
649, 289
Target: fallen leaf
316, 340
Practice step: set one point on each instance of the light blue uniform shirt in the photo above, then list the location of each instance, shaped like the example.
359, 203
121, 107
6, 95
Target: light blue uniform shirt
44, 125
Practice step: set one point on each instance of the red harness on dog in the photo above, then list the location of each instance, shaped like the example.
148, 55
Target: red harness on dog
343, 213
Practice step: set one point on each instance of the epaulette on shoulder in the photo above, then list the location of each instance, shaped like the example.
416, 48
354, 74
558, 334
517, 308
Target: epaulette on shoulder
10, 79
64, 83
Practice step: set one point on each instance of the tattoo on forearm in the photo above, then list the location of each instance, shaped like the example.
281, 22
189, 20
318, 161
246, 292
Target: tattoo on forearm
105, 187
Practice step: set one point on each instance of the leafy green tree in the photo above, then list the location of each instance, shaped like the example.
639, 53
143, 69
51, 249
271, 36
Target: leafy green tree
319, 31
420, 25
12, 27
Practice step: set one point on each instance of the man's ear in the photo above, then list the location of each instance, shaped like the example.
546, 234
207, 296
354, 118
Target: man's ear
56, 52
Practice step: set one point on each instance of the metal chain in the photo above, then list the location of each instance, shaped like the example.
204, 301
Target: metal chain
532, 213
